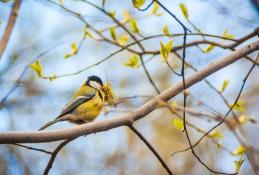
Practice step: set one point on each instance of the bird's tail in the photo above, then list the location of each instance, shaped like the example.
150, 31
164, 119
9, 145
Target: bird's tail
51, 123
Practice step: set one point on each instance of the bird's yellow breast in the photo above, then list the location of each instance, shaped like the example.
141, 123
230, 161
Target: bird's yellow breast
88, 111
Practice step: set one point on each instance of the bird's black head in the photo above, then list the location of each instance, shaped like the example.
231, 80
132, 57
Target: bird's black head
93, 79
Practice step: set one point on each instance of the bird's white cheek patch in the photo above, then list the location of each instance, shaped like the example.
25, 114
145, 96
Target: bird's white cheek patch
95, 85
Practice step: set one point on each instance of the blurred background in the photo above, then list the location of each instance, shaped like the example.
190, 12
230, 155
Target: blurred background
43, 26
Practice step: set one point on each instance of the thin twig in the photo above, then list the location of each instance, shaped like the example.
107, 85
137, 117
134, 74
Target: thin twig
171, 14
184, 87
209, 84
235, 102
172, 69
18, 80
151, 149
175, 48
147, 7
194, 113
54, 155
224, 118
33, 148
125, 119
133, 37
148, 75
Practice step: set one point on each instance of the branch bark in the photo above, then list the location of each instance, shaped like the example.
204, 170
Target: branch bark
129, 118
9, 28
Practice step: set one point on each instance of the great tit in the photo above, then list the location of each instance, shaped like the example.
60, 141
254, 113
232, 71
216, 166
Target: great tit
86, 104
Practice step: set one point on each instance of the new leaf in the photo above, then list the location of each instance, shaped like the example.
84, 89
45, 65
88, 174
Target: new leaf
165, 49
224, 85
216, 134
132, 62
239, 105
184, 10
74, 50
155, 9
178, 124
113, 33
227, 35
209, 48
239, 151
138, 3
238, 164
123, 39
37, 68
133, 25
166, 30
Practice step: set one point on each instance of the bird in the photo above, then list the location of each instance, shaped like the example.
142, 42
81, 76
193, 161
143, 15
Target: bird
85, 105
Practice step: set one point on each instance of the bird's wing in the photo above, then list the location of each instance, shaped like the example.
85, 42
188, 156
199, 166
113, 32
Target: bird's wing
76, 102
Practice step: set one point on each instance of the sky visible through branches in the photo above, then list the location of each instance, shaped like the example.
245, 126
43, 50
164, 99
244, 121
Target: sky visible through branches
74, 40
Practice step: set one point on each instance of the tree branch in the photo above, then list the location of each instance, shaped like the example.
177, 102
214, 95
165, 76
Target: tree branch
151, 149
32, 148
54, 155
9, 28
129, 118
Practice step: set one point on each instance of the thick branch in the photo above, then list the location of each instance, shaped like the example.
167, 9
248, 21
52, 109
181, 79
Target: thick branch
129, 118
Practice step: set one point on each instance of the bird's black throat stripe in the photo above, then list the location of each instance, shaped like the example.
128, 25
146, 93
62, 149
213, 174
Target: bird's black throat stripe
100, 95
